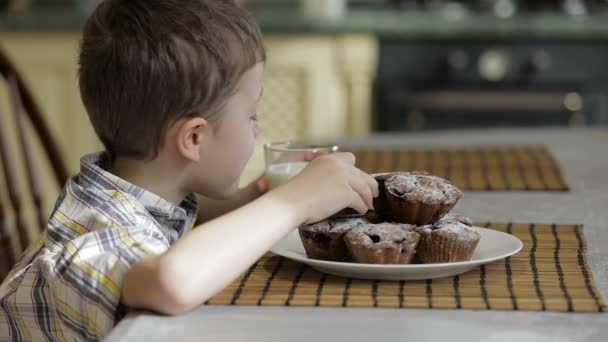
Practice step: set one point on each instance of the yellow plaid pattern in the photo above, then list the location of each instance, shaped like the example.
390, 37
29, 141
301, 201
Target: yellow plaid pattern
67, 285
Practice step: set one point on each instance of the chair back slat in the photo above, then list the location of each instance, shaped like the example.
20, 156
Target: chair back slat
21, 141
12, 184
49, 143
7, 252
33, 175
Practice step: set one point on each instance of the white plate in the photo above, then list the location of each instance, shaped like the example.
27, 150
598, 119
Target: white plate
493, 246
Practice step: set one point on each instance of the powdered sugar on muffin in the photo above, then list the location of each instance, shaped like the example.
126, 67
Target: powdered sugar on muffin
423, 187
450, 239
451, 222
419, 198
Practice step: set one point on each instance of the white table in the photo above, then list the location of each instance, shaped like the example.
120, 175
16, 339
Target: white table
583, 155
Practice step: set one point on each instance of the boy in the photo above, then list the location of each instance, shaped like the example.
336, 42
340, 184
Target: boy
171, 88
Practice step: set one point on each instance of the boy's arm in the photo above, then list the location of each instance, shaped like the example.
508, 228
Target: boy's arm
207, 259
208, 209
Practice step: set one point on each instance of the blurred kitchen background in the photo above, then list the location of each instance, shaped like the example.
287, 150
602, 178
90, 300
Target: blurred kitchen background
339, 68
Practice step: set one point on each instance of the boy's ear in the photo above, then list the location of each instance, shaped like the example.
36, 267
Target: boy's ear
190, 135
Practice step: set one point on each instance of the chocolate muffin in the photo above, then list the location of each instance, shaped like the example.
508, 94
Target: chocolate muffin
383, 243
324, 240
371, 216
420, 198
381, 204
346, 213
451, 239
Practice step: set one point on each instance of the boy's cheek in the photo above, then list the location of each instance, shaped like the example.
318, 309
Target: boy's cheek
257, 129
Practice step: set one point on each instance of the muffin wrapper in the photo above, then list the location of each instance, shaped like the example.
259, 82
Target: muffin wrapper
439, 247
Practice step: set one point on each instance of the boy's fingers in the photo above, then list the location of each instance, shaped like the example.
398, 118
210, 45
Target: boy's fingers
299, 156
360, 185
370, 181
345, 157
309, 155
373, 183
262, 184
358, 204
375, 187
366, 195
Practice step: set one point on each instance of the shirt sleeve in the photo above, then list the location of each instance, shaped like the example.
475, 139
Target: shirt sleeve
85, 278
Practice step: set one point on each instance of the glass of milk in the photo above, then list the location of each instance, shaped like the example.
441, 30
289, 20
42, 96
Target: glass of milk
286, 159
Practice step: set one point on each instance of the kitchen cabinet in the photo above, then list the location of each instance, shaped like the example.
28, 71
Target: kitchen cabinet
316, 87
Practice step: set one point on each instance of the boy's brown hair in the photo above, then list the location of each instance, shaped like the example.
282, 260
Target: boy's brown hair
146, 63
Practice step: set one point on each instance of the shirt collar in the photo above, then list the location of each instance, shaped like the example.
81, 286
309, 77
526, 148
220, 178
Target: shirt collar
93, 173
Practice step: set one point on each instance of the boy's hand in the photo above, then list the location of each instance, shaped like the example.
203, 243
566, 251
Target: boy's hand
329, 184
262, 185
256, 188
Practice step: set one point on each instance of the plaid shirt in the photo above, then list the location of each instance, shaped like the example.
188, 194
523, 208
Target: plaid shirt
67, 285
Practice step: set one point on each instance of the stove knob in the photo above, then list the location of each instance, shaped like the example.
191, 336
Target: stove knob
505, 8
415, 120
494, 65
539, 62
576, 8
457, 60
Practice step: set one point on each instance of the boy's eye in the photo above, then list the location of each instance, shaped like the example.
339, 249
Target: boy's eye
254, 117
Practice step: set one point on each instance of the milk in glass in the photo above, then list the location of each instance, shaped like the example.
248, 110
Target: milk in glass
280, 173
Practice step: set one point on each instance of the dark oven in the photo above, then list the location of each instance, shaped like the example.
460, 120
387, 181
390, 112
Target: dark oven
474, 83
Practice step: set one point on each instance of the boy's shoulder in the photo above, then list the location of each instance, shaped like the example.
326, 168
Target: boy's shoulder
97, 222
97, 200
84, 211
95, 206
92, 201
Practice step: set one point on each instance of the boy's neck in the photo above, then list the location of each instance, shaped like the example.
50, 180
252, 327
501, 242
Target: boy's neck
156, 176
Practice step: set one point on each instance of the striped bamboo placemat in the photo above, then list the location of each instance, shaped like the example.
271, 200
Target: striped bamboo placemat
520, 168
549, 274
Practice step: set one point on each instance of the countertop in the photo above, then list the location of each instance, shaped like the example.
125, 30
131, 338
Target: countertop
583, 155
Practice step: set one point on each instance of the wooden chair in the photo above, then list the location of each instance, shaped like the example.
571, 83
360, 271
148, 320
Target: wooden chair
23, 108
